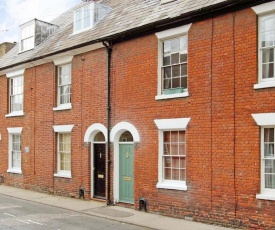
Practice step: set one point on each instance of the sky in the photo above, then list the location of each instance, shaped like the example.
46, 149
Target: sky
16, 12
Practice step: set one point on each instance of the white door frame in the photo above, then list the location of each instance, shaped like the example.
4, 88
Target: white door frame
116, 132
89, 138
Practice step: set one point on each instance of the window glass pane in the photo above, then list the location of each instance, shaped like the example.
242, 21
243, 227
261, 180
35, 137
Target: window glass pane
181, 136
182, 162
176, 71
166, 136
176, 82
270, 166
269, 135
167, 173
167, 162
174, 149
126, 137
167, 72
270, 181
87, 19
166, 53
267, 39
174, 136
175, 174
167, 84
267, 24
268, 55
183, 70
175, 162
183, 57
182, 149
268, 70
182, 175
183, 44
166, 149
99, 137
175, 58
175, 45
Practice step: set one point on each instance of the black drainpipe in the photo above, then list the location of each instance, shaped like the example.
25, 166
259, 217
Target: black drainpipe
109, 52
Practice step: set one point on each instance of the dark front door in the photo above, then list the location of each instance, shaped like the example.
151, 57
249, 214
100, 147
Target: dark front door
99, 170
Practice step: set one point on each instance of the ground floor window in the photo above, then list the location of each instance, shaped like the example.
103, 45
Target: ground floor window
172, 153
15, 150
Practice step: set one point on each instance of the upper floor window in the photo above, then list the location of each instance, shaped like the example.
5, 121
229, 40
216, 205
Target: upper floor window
172, 67
27, 37
88, 16
64, 84
82, 18
16, 93
266, 38
33, 33
267, 44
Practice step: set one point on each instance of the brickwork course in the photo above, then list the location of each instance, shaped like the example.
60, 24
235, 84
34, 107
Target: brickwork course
223, 141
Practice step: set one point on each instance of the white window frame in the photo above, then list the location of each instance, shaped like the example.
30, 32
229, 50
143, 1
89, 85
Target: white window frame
29, 38
63, 129
10, 76
264, 120
264, 10
91, 7
11, 132
60, 62
177, 124
163, 36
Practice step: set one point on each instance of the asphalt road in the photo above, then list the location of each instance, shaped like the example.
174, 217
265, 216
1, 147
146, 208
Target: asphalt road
19, 214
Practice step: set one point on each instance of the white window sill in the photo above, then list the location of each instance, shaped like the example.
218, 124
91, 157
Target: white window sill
15, 114
17, 171
63, 107
176, 185
263, 85
169, 96
266, 196
63, 174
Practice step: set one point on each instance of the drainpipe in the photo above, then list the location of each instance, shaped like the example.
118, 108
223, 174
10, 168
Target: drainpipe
109, 52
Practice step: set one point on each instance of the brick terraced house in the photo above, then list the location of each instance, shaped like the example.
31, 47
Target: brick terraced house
168, 103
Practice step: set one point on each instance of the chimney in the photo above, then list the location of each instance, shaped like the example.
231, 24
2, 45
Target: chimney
6, 47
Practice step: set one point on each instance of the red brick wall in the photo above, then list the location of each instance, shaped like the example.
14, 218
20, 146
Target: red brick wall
223, 155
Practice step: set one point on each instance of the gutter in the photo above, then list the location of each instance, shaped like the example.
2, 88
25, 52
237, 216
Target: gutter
193, 16
109, 53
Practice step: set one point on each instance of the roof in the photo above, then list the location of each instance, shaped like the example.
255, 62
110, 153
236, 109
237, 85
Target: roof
127, 18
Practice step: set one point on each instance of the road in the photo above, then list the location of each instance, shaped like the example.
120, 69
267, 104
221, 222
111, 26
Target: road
17, 214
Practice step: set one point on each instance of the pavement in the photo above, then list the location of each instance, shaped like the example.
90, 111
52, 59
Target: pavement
100, 209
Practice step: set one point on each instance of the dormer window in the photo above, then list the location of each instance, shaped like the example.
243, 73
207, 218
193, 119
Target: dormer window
27, 37
88, 16
33, 33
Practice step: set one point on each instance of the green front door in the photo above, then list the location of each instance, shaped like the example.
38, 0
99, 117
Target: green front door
126, 173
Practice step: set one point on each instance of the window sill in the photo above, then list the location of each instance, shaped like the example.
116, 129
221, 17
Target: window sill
169, 96
15, 114
63, 107
263, 85
63, 175
16, 171
266, 196
173, 185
